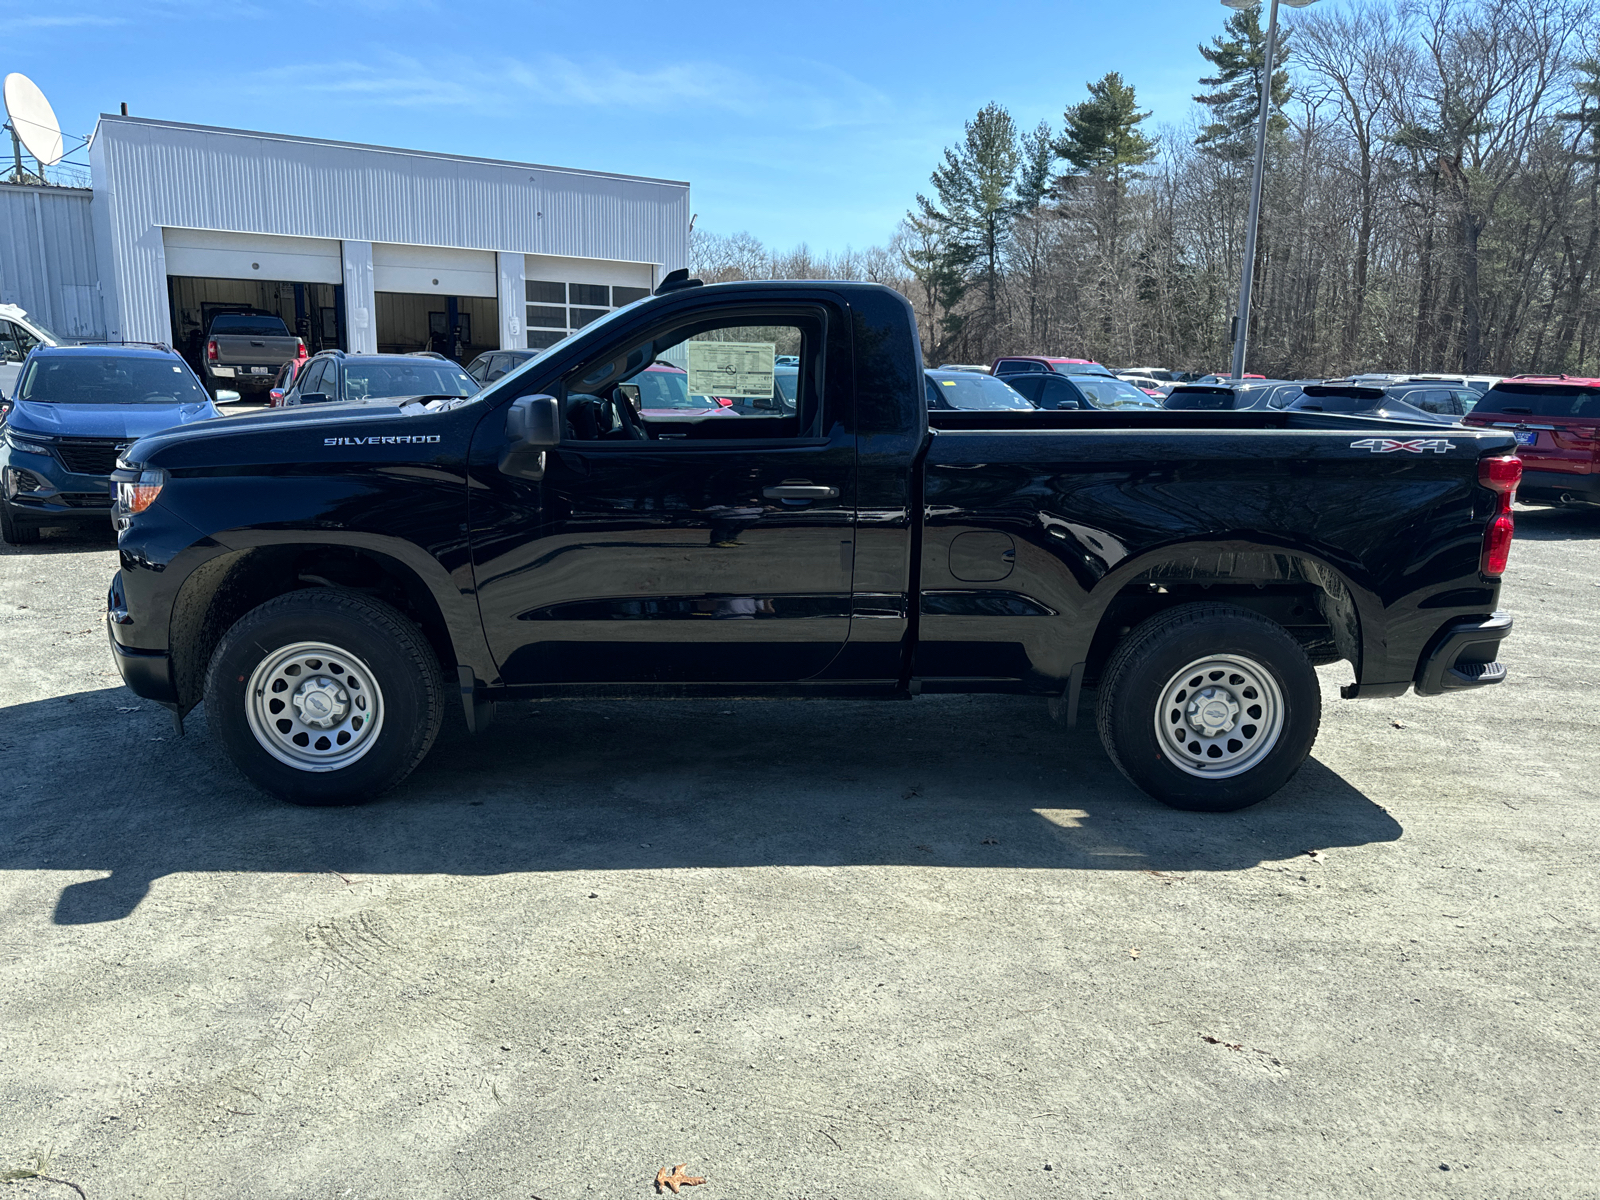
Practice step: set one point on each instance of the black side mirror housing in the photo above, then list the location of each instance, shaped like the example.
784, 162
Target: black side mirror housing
533, 425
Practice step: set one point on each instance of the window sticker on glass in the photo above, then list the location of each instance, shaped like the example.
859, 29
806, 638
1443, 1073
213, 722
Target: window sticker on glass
732, 368
948, 382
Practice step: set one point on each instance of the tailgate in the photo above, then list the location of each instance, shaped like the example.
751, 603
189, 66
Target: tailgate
241, 350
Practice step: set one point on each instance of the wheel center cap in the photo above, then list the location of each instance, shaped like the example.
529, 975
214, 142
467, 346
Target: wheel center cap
1212, 711
321, 702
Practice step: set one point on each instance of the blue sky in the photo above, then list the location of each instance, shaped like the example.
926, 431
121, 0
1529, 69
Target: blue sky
813, 123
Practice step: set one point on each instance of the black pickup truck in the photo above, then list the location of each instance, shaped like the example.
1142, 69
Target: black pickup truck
642, 512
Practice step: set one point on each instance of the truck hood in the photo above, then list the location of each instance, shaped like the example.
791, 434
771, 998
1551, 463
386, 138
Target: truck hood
105, 420
310, 420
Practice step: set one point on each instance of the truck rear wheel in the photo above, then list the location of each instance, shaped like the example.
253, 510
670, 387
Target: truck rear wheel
1209, 707
324, 697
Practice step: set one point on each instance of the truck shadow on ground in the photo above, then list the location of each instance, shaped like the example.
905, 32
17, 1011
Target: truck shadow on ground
952, 782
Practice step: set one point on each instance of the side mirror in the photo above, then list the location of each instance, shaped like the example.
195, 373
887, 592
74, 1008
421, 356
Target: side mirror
225, 396
274, 397
533, 425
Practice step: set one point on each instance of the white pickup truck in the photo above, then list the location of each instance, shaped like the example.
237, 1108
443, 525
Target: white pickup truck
19, 333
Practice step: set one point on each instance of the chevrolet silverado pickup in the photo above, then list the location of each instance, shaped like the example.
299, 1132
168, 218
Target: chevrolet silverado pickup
329, 581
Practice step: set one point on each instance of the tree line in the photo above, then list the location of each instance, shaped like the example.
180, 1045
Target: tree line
1431, 202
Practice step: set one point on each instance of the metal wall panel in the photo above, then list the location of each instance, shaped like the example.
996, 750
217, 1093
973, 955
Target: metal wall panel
47, 258
150, 174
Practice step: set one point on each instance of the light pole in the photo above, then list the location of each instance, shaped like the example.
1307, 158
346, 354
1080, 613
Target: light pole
1241, 320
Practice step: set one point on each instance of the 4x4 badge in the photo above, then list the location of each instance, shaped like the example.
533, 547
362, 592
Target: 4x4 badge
1414, 445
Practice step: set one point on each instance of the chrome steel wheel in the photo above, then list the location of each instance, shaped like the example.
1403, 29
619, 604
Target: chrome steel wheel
1219, 716
314, 706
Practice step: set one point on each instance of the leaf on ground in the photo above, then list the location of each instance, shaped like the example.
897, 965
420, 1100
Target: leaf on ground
1209, 1040
1316, 856
1398, 724
676, 1179
991, 841
1133, 952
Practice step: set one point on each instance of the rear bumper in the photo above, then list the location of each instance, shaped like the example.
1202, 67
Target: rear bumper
1463, 655
1558, 487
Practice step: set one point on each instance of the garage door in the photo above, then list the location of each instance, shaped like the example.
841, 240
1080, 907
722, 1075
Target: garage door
211, 254
433, 270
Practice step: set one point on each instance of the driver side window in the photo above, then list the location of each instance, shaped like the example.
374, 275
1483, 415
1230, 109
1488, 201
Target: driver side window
737, 378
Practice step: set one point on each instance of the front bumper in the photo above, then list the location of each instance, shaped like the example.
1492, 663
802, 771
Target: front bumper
1462, 655
40, 490
148, 673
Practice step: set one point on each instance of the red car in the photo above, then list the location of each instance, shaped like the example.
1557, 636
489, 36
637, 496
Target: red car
1023, 364
287, 374
1557, 423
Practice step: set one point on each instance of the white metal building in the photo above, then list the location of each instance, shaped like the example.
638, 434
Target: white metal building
47, 258
363, 247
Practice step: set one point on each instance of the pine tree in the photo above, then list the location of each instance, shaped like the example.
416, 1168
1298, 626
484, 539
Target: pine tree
1102, 138
978, 194
1236, 103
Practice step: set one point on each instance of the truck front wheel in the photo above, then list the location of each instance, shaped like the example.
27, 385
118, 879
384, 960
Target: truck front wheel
1209, 707
324, 697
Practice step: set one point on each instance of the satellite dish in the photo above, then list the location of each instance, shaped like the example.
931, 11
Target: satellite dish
33, 120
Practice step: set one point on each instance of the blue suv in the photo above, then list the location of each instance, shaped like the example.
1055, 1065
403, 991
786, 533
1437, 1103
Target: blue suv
74, 410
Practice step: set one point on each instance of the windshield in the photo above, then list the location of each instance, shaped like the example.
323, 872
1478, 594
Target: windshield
41, 329
1525, 401
968, 389
109, 379
424, 377
1200, 398
249, 323
1338, 404
1109, 392
1081, 368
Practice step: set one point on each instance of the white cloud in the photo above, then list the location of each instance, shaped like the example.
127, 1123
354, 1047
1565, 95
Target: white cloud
63, 21
796, 93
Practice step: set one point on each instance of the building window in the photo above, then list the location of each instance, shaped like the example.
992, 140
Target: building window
544, 317
555, 308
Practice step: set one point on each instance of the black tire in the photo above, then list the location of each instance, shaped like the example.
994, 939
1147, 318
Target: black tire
15, 531
379, 646
1141, 686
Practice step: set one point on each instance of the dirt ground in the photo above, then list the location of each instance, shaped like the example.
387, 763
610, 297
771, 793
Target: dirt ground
811, 950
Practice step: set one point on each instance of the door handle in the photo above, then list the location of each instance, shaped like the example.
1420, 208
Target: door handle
800, 489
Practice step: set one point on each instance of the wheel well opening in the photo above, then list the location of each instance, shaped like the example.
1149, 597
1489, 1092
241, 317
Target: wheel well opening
222, 590
1309, 601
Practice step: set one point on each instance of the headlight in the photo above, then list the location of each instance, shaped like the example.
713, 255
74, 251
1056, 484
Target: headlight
136, 495
33, 444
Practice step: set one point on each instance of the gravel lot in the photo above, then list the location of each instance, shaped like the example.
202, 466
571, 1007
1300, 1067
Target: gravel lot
811, 950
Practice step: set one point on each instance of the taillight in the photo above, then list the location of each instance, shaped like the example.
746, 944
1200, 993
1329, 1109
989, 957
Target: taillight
211, 352
299, 350
1501, 476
